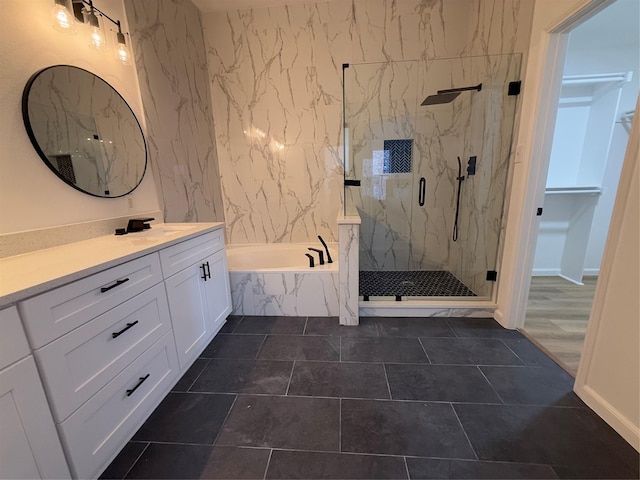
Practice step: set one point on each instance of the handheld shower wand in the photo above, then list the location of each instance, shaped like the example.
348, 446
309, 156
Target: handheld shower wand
326, 249
460, 179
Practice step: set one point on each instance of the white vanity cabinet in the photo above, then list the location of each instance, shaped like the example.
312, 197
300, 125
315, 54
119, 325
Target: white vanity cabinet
29, 444
198, 291
105, 346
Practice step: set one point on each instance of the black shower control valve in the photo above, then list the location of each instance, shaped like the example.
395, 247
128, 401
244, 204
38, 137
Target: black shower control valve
320, 254
471, 166
352, 183
539, 212
310, 257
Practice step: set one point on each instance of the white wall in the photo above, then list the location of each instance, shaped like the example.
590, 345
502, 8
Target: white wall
608, 378
31, 196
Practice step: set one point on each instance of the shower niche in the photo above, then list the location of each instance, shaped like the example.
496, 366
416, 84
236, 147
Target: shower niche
453, 121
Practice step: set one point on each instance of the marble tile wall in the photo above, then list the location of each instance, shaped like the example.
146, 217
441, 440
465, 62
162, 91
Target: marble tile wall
172, 68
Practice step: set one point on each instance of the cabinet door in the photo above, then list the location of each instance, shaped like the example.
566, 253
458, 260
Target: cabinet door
185, 291
29, 444
218, 293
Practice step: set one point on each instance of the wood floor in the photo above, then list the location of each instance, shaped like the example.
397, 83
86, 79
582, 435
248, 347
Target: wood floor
557, 316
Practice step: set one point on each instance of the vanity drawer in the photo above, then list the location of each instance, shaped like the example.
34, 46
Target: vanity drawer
180, 256
13, 341
95, 433
56, 312
80, 363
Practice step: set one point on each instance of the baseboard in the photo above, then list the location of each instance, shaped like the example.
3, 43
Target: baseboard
617, 421
569, 279
591, 272
545, 272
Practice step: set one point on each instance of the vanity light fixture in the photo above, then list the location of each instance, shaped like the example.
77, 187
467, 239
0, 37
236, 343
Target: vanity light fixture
83, 11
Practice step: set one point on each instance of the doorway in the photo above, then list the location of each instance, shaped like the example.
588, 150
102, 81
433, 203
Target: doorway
599, 91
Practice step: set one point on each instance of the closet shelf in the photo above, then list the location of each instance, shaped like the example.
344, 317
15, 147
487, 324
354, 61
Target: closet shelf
573, 190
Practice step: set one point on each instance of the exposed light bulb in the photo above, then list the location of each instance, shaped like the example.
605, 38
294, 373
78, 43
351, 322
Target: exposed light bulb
97, 38
63, 19
122, 50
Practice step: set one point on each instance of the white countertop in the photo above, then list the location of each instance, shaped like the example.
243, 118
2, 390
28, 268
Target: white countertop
26, 275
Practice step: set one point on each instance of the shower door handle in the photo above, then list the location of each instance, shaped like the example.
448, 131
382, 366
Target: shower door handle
421, 192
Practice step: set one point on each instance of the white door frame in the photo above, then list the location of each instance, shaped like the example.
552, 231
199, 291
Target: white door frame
542, 87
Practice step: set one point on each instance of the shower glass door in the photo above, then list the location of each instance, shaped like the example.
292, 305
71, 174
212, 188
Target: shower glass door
414, 191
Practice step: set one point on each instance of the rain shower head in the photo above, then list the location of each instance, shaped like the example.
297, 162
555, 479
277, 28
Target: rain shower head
447, 96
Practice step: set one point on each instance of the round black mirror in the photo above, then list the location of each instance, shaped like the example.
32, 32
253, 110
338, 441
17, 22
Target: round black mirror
84, 131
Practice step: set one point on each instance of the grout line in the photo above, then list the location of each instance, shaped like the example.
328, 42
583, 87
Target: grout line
406, 466
464, 431
260, 347
135, 461
266, 468
340, 347
512, 351
225, 420
490, 384
304, 330
424, 350
286, 393
201, 371
386, 377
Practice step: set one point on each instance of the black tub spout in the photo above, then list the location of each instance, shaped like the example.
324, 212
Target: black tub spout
320, 254
324, 244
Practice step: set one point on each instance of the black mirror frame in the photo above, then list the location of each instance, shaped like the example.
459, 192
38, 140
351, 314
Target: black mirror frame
43, 156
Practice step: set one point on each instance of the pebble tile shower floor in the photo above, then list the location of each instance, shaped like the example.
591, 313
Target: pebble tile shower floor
290, 397
420, 283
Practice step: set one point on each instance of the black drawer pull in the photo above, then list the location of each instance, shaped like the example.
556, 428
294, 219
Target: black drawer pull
208, 270
204, 272
129, 325
142, 379
118, 282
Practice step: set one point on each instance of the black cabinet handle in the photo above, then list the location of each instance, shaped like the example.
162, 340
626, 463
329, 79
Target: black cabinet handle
421, 192
206, 271
129, 325
140, 382
118, 282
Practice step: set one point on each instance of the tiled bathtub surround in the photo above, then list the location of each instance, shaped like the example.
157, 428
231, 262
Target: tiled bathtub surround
172, 68
276, 83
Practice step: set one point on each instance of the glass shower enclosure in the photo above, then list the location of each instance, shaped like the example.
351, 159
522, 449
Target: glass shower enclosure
430, 143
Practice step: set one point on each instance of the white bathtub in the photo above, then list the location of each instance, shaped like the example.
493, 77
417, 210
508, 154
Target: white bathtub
284, 257
275, 279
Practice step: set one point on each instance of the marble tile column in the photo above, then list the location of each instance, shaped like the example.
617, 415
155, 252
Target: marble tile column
349, 282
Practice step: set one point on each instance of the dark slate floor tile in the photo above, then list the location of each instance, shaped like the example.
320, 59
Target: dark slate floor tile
432, 468
533, 386
283, 422
303, 465
533, 434
233, 346
329, 379
446, 383
589, 472
244, 376
236, 463
299, 347
271, 325
413, 327
190, 375
396, 350
402, 428
169, 461
186, 418
529, 353
331, 326
120, 465
231, 324
469, 351
480, 328
629, 456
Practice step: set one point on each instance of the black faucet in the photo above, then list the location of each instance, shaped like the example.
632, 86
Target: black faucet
310, 257
135, 225
320, 254
326, 248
